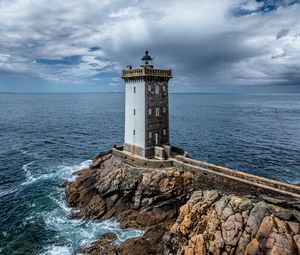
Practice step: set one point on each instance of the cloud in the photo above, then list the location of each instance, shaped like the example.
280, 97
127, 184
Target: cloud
205, 42
282, 33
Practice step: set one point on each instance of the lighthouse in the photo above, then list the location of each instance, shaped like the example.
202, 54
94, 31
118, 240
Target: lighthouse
147, 110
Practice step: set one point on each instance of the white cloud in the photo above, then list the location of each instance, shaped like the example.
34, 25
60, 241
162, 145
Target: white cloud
201, 40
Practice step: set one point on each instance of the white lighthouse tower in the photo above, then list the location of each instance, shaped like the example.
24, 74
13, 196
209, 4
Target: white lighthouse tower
146, 110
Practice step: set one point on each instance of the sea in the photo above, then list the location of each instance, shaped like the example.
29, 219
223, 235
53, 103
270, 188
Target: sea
44, 138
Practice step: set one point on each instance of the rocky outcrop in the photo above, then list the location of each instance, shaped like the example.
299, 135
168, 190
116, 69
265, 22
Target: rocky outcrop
137, 197
176, 216
212, 224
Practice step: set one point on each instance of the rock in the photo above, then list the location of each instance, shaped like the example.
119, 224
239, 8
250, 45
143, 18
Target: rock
178, 218
297, 241
195, 246
95, 208
63, 185
109, 236
150, 243
296, 214
281, 213
232, 225
252, 248
133, 196
274, 237
231, 229
273, 200
295, 227
103, 246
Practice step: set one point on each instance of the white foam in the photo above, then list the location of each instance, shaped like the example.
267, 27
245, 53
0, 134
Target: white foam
63, 172
25, 166
28, 175
61, 203
27, 153
7, 192
68, 170
58, 250
78, 233
71, 234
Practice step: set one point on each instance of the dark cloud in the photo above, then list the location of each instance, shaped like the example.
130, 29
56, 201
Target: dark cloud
204, 42
282, 33
70, 60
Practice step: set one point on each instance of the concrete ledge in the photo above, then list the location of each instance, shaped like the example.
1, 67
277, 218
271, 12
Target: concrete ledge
176, 151
138, 161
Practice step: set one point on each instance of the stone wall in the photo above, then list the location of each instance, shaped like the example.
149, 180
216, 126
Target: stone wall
216, 177
228, 184
260, 182
157, 124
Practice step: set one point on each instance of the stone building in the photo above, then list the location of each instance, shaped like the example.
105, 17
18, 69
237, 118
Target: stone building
146, 110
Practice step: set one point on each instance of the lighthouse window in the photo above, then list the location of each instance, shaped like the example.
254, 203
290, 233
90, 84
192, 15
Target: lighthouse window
165, 131
164, 110
150, 135
157, 112
134, 90
133, 111
150, 111
156, 89
149, 88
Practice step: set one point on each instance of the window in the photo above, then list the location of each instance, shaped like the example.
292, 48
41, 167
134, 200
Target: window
156, 138
165, 131
156, 89
157, 112
150, 111
134, 89
164, 88
164, 110
133, 131
149, 88
133, 111
150, 135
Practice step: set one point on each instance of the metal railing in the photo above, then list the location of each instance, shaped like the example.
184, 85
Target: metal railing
146, 72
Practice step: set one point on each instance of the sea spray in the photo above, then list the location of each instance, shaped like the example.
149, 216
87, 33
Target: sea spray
71, 234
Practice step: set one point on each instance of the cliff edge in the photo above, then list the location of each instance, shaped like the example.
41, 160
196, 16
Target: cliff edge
177, 215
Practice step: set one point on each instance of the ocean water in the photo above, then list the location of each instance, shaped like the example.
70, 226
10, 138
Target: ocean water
46, 137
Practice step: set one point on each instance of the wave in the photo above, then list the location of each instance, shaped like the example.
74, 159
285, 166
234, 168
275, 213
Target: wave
7, 192
69, 170
58, 250
75, 233
66, 235
62, 172
28, 175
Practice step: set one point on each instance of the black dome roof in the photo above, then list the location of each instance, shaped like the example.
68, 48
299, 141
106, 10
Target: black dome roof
146, 57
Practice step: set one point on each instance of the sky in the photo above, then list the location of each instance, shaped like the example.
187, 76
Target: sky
211, 46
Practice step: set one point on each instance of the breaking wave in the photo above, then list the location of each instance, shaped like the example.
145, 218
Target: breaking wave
62, 172
71, 234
